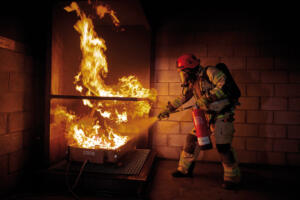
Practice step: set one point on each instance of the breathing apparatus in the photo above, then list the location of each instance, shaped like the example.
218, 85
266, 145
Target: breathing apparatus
188, 67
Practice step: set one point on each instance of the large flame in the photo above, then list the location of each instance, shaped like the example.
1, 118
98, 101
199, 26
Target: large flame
98, 128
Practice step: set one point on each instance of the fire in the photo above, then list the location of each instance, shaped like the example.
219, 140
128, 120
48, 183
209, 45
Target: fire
98, 128
102, 10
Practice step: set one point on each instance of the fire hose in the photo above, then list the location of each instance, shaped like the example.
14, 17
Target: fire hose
183, 109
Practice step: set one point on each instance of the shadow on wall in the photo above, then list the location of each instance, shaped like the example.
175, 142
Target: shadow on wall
250, 117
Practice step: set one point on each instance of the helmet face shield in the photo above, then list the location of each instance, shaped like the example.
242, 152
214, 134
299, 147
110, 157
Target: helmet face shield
188, 66
184, 77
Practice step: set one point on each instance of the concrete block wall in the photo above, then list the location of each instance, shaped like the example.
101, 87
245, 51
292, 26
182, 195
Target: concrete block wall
265, 67
16, 114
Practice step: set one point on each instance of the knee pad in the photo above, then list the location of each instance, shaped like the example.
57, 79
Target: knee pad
226, 153
190, 143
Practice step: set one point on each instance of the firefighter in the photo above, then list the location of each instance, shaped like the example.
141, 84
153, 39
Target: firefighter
206, 85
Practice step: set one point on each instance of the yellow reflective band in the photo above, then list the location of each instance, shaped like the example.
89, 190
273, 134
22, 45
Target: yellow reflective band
220, 116
186, 163
183, 162
177, 103
219, 93
230, 172
218, 76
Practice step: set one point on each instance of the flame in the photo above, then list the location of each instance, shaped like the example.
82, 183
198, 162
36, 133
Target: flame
98, 128
121, 117
104, 9
104, 114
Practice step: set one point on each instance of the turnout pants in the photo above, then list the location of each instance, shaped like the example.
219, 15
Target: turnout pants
223, 132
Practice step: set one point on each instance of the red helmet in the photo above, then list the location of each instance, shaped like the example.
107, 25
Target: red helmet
187, 61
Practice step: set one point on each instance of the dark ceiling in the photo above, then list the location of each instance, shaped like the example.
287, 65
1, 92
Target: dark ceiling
31, 20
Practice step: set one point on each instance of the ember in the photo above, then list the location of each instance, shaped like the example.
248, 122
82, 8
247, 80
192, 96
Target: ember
98, 128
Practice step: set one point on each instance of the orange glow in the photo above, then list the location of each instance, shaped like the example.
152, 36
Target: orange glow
98, 129
103, 9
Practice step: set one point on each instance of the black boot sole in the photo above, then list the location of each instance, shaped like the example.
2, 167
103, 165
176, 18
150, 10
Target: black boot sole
230, 186
179, 174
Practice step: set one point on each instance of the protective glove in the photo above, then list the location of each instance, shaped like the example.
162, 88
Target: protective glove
164, 114
202, 103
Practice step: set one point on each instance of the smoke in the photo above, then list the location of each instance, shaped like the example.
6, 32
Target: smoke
136, 127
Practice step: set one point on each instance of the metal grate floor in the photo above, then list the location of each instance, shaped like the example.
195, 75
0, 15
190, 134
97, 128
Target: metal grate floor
133, 162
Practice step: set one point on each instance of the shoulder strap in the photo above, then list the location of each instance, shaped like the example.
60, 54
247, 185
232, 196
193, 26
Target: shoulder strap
203, 74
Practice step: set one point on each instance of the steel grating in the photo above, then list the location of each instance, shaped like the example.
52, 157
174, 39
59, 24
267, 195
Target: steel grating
132, 164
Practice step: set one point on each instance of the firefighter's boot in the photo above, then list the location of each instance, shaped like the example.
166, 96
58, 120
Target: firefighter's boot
179, 174
188, 156
232, 175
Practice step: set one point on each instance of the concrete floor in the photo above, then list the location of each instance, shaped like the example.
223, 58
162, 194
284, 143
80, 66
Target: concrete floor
259, 182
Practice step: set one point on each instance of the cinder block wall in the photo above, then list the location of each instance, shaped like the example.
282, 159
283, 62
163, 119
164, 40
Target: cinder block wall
16, 114
23, 42
263, 59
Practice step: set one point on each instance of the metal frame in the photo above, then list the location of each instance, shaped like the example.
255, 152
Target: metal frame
98, 98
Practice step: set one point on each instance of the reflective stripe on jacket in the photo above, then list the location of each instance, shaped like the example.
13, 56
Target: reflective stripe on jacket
206, 89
